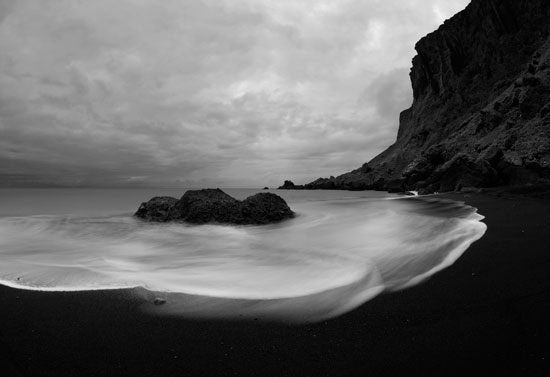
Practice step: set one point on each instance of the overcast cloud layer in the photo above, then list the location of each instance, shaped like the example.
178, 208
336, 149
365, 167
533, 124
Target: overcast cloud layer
203, 93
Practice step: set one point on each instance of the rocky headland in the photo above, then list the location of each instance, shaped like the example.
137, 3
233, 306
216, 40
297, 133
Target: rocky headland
480, 115
215, 206
289, 185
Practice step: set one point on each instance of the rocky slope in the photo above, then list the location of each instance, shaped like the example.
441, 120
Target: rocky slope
481, 106
215, 206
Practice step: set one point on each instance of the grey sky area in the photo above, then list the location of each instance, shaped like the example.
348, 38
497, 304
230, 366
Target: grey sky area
210, 93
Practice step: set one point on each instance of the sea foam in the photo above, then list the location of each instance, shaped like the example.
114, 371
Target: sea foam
336, 255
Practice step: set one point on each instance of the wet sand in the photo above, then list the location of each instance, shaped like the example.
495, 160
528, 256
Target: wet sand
488, 314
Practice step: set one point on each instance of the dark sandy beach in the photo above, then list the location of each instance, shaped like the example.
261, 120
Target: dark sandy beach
488, 314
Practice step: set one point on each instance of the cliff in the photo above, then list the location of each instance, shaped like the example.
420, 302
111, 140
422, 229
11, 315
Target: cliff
480, 115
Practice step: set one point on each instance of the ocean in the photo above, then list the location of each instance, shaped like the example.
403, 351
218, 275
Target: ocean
341, 250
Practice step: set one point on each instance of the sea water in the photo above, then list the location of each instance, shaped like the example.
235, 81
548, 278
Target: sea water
341, 250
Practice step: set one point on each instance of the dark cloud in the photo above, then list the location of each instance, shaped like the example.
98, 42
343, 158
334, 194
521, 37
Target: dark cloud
219, 93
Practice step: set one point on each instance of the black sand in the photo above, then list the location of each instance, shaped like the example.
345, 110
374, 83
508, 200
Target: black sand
488, 314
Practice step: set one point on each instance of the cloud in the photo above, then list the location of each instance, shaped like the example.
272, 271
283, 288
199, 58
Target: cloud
389, 93
219, 93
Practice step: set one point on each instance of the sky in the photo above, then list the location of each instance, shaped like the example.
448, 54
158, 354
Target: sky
210, 93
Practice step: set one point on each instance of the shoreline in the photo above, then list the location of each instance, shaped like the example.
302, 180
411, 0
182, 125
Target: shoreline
485, 314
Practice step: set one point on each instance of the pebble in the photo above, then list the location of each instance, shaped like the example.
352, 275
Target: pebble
159, 301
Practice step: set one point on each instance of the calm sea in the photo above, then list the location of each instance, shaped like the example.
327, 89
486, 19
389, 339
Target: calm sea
341, 250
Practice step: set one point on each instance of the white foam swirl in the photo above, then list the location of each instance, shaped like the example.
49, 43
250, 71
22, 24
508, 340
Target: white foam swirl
334, 256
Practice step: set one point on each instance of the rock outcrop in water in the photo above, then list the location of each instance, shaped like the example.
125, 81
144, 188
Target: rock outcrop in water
156, 209
289, 185
215, 206
481, 106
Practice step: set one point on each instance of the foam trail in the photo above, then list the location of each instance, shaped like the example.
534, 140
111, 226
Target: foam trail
336, 255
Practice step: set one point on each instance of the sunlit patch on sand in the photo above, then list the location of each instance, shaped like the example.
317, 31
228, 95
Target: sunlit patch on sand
336, 255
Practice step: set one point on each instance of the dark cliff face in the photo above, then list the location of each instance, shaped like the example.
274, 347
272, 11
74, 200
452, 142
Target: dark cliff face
481, 105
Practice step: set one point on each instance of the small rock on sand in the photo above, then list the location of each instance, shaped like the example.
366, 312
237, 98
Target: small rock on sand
159, 301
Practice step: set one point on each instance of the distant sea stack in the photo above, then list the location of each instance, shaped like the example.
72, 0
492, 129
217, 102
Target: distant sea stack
480, 115
289, 185
215, 206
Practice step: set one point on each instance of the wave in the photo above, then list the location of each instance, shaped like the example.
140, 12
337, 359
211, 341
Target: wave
336, 255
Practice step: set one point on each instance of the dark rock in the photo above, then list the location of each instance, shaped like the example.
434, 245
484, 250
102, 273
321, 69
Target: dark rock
463, 171
531, 80
205, 206
215, 206
289, 185
429, 189
481, 99
396, 185
159, 301
321, 184
265, 208
156, 209
470, 190
266, 188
